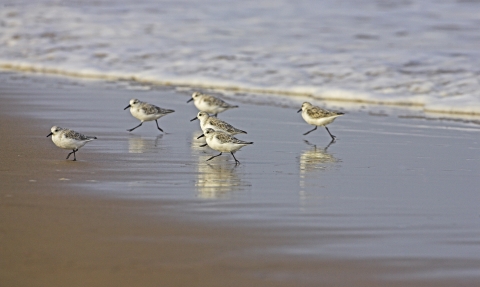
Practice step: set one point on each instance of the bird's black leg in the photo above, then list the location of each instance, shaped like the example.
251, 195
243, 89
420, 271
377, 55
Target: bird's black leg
214, 156
215, 115
135, 127
236, 160
310, 131
203, 145
158, 126
74, 156
333, 137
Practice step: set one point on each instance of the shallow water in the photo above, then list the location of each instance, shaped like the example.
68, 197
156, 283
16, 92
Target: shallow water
390, 188
419, 52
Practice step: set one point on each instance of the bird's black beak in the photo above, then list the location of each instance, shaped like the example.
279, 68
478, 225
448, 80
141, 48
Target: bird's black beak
49, 134
193, 119
190, 100
127, 107
201, 136
299, 110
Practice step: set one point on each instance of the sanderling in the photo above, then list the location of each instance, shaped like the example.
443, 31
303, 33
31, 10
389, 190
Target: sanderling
318, 117
209, 104
69, 139
206, 121
223, 142
146, 112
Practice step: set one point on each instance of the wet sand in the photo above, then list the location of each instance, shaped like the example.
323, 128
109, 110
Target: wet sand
391, 203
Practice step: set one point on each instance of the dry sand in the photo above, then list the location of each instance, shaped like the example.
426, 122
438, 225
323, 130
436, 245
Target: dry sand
56, 232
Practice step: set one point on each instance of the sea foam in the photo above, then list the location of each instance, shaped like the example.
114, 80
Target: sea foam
361, 52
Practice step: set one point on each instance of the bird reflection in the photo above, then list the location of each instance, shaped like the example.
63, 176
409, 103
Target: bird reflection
138, 144
216, 180
316, 158
313, 160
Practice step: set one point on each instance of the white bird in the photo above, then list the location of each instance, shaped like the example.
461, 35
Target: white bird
69, 139
209, 104
206, 121
318, 117
223, 142
146, 112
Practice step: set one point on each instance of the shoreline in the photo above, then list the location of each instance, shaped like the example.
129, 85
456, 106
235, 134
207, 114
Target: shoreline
147, 228
317, 95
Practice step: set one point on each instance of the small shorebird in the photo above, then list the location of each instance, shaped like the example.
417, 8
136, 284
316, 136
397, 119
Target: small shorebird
223, 142
69, 139
146, 112
209, 104
206, 121
318, 117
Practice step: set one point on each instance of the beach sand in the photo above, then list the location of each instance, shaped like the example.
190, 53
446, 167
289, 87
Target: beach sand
393, 202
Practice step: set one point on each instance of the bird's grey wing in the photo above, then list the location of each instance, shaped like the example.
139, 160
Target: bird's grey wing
222, 125
70, 134
225, 138
152, 109
316, 112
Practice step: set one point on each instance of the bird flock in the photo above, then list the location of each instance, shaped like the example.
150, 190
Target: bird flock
219, 134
